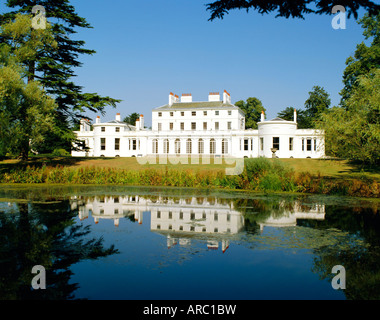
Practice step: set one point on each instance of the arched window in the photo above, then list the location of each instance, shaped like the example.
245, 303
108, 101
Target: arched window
212, 146
224, 146
166, 146
154, 146
200, 146
177, 146
188, 146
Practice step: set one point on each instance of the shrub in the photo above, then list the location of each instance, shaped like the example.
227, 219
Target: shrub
60, 153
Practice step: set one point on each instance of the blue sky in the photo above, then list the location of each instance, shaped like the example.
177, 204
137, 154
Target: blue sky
146, 49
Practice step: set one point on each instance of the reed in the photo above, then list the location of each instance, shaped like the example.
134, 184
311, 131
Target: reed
259, 174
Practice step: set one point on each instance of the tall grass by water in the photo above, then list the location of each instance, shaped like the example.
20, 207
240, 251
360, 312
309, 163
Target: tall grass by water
260, 174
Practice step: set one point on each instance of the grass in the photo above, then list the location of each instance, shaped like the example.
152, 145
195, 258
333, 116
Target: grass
260, 174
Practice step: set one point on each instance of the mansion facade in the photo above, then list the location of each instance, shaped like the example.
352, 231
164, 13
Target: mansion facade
214, 128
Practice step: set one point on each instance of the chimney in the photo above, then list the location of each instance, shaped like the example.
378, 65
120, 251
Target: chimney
186, 97
137, 124
176, 98
171, 98
84, 125
262, 116
213, 96
117, 117
226, 97
97, 119
295, 115
141, 121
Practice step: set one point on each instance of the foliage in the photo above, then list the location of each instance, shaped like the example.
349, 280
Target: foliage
26, 110
353, 132
252, 109
55, 69
365, 59
289, 8
288, 114
317, 103
131, 119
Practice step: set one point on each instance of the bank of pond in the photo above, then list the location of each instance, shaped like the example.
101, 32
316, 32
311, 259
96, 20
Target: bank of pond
258, 174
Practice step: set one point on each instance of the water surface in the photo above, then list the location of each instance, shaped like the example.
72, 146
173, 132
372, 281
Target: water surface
151, 243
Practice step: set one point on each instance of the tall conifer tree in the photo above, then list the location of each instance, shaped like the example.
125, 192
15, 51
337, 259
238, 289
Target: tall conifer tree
55, 69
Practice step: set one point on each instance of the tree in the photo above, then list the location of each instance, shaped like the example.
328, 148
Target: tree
290, 8
288, 114
365, 59
317, 103
354, 132
26, 110
55, 69
131, 119
252, 109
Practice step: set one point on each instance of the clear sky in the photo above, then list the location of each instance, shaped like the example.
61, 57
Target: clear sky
146, 49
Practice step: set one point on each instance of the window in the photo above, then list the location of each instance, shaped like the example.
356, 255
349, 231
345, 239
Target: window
276, 143
159, 128
193, 113
182, 126
117, 143
315, 144
212, 146
303, 144
170, 215
155, 146
181, 215
117, 129
216, 125
229, 125
200, 146
102, 129
217, 112
160, 114
204, 125
224, 146
261, 144
205, 113
290, 144
308, 144
177, 146
158, 214
193, 126
215, 216
246, 144
134, 145
166, 146
171, 125
182, 113
171, 113
102, 143
188, 145
229, 112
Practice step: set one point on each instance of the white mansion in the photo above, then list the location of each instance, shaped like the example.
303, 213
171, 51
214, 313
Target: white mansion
209, 128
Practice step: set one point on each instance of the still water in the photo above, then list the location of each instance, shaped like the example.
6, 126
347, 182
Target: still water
150, 243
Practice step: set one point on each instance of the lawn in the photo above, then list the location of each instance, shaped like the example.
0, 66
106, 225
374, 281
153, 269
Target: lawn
341, 169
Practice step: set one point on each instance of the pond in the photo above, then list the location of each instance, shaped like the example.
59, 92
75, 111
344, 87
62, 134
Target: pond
175, 244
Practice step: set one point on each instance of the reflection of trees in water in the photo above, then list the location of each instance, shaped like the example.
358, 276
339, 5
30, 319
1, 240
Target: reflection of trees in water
47, 235
362, 263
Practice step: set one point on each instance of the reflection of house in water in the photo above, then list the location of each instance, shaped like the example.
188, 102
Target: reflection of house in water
111, 207
184, 219
289, 218
181, 220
